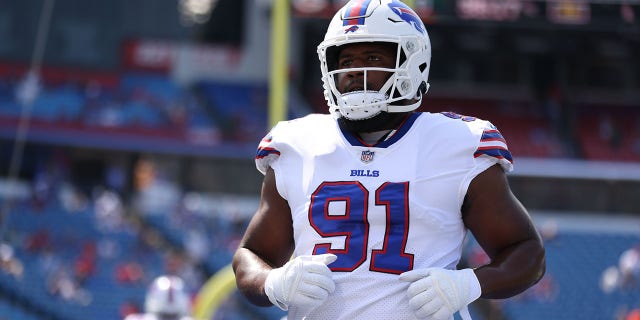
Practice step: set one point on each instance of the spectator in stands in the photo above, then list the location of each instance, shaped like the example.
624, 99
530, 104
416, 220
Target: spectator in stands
196, 244
129, 307
116, 179
634, 314
39, 241
178, 114
85, 264
109, 210
71, 198
179, 263
610, 279
554, 108
9, 263
61, 283
629, 266
42, 186
129, 272
610, 131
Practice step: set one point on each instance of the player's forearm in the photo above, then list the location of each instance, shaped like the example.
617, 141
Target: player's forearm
251, 272
513, 270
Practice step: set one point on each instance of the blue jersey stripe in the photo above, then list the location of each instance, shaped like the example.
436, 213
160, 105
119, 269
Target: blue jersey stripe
263, 152
492, 135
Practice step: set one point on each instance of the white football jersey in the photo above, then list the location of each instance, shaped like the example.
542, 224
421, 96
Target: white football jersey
383, 209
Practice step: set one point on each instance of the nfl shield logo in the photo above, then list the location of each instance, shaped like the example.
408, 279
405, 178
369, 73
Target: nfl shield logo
367, 156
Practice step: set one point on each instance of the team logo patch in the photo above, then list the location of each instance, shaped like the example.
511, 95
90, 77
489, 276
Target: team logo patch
367, 156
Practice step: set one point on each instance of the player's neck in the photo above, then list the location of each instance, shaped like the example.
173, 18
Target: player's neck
372, 138
383, 122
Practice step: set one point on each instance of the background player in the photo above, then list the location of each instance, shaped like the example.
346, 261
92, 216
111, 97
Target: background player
166, 299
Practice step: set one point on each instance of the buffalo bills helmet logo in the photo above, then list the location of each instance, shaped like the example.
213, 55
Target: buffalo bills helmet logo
351, 29
407, 14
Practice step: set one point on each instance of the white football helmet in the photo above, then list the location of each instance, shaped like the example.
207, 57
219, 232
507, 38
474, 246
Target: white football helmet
388, 21
167, 296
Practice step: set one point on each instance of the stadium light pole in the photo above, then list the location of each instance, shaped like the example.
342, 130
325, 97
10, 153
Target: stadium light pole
27, 93
278, 84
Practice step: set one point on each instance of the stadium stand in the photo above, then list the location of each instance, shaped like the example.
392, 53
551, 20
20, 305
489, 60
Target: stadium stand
240, 108
576, 261
609, 133
93, 261
528, 131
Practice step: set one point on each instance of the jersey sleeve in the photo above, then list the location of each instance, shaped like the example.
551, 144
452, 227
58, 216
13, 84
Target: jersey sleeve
267, 152
493, 147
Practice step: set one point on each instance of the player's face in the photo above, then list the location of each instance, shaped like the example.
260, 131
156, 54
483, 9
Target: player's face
359, 55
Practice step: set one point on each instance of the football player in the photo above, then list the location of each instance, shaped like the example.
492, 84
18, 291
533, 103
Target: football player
364, 210
166, 299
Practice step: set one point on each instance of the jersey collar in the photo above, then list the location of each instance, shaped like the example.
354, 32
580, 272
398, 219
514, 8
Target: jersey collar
395, 135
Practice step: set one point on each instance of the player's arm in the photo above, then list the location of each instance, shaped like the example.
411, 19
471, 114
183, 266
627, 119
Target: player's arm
267, 242
503, 228
264, 273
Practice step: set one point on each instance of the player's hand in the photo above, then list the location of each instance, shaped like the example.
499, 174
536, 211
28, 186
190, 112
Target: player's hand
304, 282
438, 293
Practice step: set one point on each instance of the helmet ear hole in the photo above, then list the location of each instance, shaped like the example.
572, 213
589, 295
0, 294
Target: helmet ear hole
422, 89
403, 58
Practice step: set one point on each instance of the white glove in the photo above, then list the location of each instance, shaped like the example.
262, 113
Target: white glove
438, 293
304, 282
